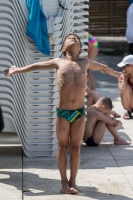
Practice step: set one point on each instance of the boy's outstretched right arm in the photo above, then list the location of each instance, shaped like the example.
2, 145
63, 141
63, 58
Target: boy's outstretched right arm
52, 64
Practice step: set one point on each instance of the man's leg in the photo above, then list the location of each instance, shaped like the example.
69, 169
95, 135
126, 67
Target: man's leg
127, 98
63, 131
132, 100
92, 98
76, 136
92, 51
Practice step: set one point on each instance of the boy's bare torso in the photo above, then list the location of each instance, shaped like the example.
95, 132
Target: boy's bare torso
72, 82
91, 122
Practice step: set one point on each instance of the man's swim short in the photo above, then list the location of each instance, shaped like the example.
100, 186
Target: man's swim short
70, 115
91, 142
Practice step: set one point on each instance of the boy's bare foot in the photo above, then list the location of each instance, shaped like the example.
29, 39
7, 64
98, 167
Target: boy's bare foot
66, 190
122, 142
73, 186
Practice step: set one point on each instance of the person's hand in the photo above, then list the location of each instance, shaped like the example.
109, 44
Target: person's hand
117, 123
125, 75
12, 70
122, 77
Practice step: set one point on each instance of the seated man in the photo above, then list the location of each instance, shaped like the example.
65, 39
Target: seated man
126, 85
98, 118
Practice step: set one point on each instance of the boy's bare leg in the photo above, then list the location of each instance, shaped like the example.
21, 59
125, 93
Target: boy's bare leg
117, 139
76, 136
99, 132
63, 131
92, 51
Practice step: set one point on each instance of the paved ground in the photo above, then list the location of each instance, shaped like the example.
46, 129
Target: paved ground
105, 172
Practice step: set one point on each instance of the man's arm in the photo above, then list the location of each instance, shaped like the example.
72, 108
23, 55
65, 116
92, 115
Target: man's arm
36, 66
101, 67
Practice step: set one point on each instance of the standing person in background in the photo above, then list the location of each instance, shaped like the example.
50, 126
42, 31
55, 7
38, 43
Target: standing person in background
129, 29
1, 121
93, 47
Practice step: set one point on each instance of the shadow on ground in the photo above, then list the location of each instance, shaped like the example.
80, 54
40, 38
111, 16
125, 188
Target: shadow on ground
44, 186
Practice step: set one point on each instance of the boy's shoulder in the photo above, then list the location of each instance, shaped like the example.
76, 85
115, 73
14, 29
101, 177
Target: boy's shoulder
92, 109
57, 59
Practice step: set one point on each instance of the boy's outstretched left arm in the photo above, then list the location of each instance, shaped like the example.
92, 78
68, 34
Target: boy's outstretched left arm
101, 67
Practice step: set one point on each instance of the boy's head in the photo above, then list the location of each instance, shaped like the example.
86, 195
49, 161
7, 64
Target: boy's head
71, 40
104, 104
127, 64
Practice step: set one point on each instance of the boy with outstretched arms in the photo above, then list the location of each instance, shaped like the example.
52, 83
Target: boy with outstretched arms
70, 122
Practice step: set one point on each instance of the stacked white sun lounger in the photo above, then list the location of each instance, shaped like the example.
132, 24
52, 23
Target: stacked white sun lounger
29, 100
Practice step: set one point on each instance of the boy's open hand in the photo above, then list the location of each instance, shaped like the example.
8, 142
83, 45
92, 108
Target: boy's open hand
12, 70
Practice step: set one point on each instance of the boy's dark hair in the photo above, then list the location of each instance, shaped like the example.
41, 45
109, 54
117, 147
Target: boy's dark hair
65, 41
107, 102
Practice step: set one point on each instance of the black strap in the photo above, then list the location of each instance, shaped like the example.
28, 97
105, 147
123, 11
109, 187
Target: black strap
1, 120
62, 6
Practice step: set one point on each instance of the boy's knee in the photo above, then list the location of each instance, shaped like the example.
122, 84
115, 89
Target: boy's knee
125, 90
75, 148
63, 148
97, 141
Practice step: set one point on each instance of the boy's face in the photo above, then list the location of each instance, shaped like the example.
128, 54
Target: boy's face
72, 40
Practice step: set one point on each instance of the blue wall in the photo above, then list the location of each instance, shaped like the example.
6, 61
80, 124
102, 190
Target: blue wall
131, 1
